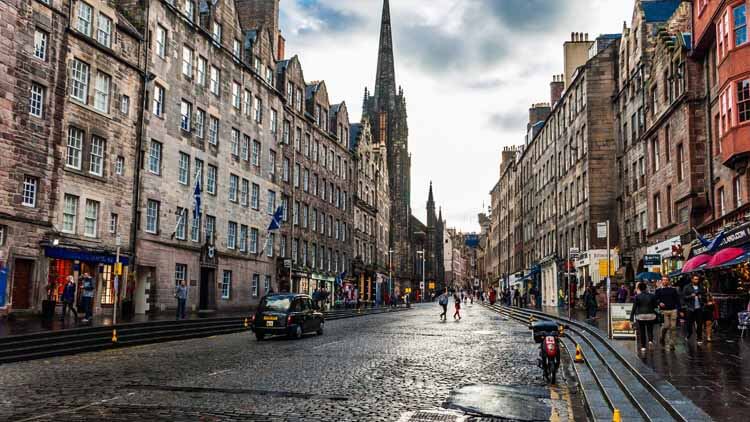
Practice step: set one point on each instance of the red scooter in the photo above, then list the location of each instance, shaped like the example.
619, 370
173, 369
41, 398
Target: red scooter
547, 334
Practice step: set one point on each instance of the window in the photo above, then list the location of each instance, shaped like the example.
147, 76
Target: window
195, 229
154, 157
231, 235
285, 169
180, 274
186, 112
120, 165
210, 226
104, 30
96, 162
269, 75
295, 214
101, 92
235, 142
187, 61
670, 210
36, 100
272, 163
158, 106
190, 10
79, 81
256, 153
743, 100
41, 40
236, 50
180, 230
253, 240
113, 222
255, 198
298, 100
244, 192
258, 107
30, 185
655, 153
233, 184
90, 226
267, 284
183, 169
243, 238
211, 179
161, 41
236, 95
296, 175
737, 192
271, 208
247, 103
270, 244
213, 130
124, 104
226, 284
274, 116
282, 247
722, 202
216, 32
84, 18
680, 163
201, 71
297, 136
75, 145
245, 147
256, 282
740, 25
70, 213
306, 180
200, 122
215, 80
152, 216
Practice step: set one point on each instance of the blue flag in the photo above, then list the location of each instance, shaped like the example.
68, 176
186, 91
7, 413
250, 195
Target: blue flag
197, 200
340, 277
276, 219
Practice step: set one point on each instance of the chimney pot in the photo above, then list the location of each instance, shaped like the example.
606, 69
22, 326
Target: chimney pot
587, 36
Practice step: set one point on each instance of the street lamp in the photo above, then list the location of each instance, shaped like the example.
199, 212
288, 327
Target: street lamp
390, 274
421, 253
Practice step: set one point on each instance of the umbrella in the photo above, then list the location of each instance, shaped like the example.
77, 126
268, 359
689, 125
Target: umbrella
696, 263
648, 276
725, 256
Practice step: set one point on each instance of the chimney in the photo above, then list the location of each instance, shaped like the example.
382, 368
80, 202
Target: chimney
281, 49
556, 88
576, 53
537, 113
256, 14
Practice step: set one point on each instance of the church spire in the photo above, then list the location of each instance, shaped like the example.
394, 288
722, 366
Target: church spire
430, 199
385, 79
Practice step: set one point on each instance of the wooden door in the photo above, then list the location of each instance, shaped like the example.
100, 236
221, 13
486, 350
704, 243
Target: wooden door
21, 293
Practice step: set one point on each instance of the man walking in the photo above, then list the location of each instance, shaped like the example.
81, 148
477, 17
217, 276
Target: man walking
589, 301
693, 298
87, 297
668, 300
69, 298
181, 295
443, 301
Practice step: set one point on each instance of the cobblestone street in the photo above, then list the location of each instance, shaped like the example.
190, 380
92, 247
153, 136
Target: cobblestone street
362, 369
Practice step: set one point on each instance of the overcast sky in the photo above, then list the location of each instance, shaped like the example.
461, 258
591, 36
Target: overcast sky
470, 70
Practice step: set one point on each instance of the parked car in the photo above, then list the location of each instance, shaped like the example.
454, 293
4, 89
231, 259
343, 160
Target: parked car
288, 314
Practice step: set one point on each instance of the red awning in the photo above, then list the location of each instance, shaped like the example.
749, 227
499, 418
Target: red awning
693, 263
723, 256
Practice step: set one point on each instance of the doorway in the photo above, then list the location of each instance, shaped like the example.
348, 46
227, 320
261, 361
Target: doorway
207, 283
22, 271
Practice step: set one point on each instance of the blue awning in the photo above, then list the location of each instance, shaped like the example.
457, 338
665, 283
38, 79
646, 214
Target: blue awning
84, 256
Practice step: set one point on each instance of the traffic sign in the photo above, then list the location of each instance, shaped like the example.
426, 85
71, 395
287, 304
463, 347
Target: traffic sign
601, 230
421, 285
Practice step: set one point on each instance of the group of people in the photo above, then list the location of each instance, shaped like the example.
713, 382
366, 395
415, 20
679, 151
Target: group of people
693, 304
87, 297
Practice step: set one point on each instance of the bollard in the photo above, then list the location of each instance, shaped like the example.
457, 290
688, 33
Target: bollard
579, 354
616, 415
114, 336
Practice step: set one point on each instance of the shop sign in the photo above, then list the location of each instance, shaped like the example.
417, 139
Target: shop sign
734, 237
603, 267
85, 256
601, 230
619, 320
432, 285
652, 260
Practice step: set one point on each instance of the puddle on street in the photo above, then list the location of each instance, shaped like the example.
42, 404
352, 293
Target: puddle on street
514, 402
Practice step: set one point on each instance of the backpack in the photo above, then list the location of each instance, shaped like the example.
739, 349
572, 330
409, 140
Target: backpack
443, 300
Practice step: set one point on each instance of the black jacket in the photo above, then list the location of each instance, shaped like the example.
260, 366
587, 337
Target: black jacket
669, 297
688, 303
644, 303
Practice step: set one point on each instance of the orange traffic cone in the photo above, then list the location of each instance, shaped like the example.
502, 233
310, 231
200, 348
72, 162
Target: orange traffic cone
579, 354
616, 415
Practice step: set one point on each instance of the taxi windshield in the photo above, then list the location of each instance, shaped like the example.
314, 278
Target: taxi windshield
275, 304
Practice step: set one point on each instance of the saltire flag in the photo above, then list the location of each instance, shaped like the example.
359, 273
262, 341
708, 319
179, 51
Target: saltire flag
711, 245
340, 277
276, 219
197, 198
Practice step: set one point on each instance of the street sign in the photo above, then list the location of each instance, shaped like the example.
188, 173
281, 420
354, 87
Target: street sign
287, 263
421, 285
574, 253
651, 260
601, 230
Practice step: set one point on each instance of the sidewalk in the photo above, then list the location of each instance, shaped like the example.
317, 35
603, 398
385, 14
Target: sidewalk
711, 375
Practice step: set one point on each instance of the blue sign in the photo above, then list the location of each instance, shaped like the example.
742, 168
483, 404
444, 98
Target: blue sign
84, 256
3, 284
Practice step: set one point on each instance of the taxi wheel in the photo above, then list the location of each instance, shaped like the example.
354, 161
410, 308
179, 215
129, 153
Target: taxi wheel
260, 336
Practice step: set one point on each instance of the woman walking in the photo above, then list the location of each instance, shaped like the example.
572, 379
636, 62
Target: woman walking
457, 301
644, 312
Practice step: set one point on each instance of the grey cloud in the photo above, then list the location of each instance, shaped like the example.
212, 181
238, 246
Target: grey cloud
515, 120
527, 15
483, 84
328, 19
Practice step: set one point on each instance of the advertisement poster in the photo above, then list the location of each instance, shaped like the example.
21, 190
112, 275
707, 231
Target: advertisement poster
619, 314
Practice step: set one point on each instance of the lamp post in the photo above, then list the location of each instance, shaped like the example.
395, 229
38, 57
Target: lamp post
421, 253
390, 274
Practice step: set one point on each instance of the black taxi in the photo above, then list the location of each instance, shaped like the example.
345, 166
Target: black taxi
288, 314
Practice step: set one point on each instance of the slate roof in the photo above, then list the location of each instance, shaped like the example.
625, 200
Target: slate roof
659, 10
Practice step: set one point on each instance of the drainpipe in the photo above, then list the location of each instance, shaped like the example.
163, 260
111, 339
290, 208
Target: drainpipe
709, 138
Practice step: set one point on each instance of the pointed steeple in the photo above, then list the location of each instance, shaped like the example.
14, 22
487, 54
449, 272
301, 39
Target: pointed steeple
431, 200
385, 78
440, 215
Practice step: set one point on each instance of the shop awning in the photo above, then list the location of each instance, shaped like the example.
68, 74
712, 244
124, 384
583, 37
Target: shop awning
723, 256
83, 256
728, 257
648, 276
696, 263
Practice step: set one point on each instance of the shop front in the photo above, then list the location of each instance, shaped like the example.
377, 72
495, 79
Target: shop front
670, 255
100, 265
591, 268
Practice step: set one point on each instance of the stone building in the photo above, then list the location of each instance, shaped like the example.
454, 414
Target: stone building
71, 121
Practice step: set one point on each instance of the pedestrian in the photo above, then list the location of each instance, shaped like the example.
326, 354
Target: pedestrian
516, 297
589, 301
560, 298
87, 298
457, 301
693, 299
69, 298
180, 293
644, 313
668, 300
709, 315
622, 294
443, 302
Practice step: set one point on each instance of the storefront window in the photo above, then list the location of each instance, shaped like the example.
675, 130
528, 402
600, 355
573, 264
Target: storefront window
108, 297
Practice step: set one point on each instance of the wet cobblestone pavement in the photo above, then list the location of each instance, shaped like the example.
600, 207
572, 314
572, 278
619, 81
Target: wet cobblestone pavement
372, 368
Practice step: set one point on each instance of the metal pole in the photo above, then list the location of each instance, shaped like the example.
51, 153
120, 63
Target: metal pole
609, 272
117, 282
291, 209
422, 275
570, 294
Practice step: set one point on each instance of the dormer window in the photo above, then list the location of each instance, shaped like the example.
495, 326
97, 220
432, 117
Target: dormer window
290, 92
298, 100
317, 114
